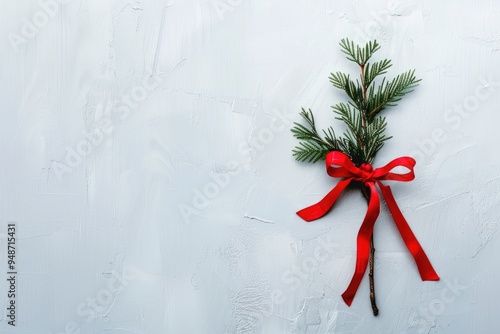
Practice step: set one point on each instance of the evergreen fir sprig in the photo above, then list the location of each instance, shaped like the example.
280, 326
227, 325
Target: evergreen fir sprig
353, 89
364, 135
388, 93
374, 70
356, 53
312, 147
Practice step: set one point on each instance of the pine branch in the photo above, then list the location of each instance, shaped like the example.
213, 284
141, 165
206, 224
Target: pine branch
374, 70
312, 147
357, 54
310, 152
353, 89
388, 93
364, 135
375, 138
330, 137
350, 117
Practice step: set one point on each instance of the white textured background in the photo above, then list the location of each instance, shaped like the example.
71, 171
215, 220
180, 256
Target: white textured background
224, 80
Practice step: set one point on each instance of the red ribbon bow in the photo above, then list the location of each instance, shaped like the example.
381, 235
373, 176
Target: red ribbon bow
370, 178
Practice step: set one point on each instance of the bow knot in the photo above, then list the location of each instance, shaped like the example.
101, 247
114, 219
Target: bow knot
339, 165
366, 173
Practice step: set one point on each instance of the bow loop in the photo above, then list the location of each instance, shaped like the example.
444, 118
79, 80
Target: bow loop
385, 172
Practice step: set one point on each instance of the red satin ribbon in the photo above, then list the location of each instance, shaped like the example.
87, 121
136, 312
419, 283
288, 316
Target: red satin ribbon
339, 165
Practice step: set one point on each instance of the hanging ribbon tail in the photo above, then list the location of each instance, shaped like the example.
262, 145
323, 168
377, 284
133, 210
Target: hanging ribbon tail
319, 209
363, 244
427, 272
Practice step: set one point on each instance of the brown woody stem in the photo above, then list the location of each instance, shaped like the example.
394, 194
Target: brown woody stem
370, 275
366, 194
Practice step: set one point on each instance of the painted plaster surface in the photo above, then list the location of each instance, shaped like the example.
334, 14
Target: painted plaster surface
146, 161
